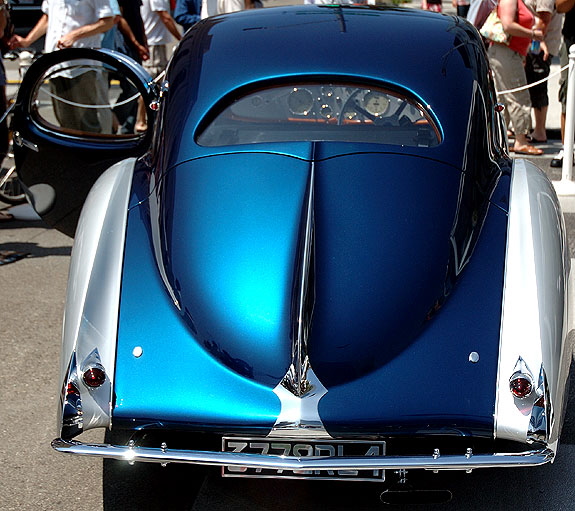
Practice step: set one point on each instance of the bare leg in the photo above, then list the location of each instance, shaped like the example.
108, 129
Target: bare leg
539, 132
141, 123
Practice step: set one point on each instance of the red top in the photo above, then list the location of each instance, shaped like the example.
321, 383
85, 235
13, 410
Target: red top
525, 18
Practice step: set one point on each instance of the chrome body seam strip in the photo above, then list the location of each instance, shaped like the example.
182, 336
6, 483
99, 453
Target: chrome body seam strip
295, 380
300, 390
429, 462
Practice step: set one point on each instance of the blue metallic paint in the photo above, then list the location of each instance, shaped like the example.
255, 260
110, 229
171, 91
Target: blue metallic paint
382, 225
387, 221
177, 380
432, 386
230, 227
372, 248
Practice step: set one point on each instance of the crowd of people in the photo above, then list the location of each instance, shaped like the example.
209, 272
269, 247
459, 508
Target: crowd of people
534, 31
143, 29
147, 30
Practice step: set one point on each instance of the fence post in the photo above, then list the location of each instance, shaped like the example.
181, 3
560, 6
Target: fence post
567, 186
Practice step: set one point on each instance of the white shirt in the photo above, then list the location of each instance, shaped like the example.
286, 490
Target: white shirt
67, 15
156, 32
213, 7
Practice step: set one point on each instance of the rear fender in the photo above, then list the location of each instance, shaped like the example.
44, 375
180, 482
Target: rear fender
535, 316
92, 302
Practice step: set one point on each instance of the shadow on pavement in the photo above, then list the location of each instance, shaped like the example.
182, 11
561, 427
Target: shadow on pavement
33, 250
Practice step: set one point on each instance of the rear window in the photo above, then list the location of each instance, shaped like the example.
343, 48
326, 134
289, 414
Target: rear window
316, 112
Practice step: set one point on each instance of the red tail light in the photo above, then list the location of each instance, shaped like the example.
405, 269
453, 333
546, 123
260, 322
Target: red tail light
94, 376
520, 385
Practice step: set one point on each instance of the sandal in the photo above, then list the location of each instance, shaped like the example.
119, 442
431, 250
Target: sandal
534, 140
528, 150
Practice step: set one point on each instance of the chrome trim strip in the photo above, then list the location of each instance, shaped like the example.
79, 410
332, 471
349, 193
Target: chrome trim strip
296, 379
443, 462
300, 389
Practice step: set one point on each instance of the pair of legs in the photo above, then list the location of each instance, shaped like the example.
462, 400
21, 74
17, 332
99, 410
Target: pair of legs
509, 73
154, 65
537, 68
81, 102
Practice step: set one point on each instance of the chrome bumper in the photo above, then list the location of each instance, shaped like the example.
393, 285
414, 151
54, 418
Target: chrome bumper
432, 462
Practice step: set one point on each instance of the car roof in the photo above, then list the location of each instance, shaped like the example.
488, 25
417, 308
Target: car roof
437, 59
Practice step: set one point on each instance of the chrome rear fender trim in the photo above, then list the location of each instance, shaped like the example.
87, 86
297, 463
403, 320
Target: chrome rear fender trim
534, 314
91, 319
429, 462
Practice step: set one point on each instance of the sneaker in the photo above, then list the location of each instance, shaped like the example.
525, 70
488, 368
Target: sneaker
557, 160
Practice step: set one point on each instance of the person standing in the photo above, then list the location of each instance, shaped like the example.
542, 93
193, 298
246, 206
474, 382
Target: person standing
131, 26
161, 34
75, 24
507, 63
538, 63
70, 24
187, 13
432, 5
462, 7
127, 37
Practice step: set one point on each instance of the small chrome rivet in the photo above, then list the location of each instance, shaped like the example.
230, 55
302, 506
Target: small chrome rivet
474, 357
137, 351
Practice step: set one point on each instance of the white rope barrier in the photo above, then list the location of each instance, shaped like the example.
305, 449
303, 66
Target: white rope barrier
8, 111
84, 105
529, 85
109, 105
566, 186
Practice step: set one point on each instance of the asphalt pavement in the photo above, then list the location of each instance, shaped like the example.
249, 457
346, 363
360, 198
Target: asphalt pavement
34, 477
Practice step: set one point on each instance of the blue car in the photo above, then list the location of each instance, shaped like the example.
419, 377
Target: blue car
317, 261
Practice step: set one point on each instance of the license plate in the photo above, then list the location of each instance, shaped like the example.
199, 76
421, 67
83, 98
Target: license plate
304, 448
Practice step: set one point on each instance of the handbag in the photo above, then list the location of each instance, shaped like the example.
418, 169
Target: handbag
493, 30
479, 10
